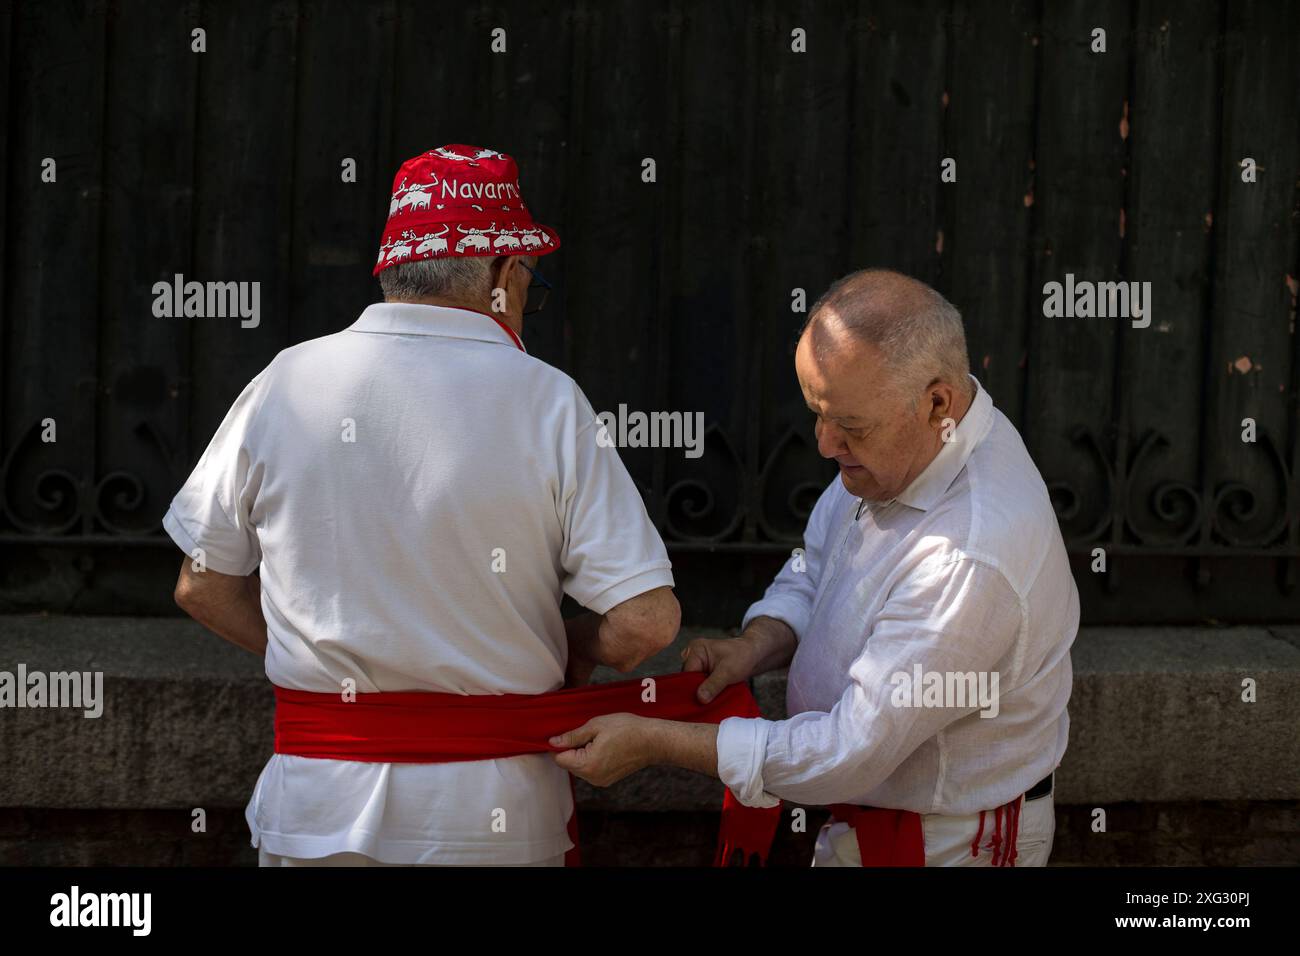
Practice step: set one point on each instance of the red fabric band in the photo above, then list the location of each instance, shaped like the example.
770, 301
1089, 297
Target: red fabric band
885, 837
896, 837
420, 727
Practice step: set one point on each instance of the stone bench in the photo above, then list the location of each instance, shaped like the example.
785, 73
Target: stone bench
1156, 717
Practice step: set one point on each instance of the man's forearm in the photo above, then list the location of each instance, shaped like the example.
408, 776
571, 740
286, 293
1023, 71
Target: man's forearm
692, 746
627, 633
229, 606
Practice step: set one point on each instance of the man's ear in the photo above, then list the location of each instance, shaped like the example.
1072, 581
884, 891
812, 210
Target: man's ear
509, 268
940, 397
497, 271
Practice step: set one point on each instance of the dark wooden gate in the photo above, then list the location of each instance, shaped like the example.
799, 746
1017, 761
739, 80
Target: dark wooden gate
776, 171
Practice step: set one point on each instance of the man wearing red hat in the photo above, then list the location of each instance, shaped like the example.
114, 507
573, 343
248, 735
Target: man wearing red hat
418, 494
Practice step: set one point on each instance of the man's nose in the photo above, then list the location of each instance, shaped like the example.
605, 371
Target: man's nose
830, 441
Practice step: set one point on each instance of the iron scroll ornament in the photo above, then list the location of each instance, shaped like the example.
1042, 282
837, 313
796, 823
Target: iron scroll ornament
81, 503
1232, 504
722, 501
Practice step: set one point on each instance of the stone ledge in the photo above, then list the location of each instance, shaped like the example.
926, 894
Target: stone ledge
1156, 715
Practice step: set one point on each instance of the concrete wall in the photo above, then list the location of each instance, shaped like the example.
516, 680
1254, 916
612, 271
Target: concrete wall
1160, 738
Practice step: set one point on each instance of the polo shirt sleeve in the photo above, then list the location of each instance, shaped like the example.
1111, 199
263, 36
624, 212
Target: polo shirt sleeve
954, 615
212, 510
611, 550
789, 597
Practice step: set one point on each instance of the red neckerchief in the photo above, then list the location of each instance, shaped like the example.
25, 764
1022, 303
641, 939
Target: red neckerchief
514, 336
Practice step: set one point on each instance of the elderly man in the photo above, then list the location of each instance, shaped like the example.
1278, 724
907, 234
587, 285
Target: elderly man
927, 625
418, 493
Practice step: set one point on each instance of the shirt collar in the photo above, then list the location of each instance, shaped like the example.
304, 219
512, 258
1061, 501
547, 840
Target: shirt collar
931, 484
409, 318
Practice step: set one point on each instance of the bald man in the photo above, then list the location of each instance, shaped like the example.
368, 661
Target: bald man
927, 623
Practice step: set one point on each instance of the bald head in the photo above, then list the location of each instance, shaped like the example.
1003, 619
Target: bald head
916, 331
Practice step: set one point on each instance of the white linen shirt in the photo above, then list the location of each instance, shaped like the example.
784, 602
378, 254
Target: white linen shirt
418, 494
965, 571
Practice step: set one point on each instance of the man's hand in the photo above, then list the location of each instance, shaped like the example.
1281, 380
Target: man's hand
727, 661
606, 749
765, 645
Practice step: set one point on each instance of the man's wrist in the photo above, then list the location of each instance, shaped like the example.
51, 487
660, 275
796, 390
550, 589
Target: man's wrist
658, 741
676, 743
771, 641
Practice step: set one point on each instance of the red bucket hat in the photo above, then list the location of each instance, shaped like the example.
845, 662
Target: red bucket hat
460, 200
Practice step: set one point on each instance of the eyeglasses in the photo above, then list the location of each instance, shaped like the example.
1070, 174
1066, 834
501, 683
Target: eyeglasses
537, 292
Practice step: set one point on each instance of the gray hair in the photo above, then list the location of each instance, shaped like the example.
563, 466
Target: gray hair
462, 277
918, 332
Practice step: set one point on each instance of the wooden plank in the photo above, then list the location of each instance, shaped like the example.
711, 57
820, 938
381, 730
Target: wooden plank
1251, 340
802, 220
611, 267
54, 237
529, 118
7, 17
440, 51
899, 81
148, 147
1173, 119
988, 211
337, 224
1080, 185
243, 196
696, 205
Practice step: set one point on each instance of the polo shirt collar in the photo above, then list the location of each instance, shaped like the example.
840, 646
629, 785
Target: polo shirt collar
931, 484
409, 318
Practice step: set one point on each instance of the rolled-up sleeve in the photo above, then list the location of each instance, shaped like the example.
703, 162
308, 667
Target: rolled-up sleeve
954, 615
212, 511
742, 747
790, 596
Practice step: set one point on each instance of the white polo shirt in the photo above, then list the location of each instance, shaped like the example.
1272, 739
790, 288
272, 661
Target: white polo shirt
418, 494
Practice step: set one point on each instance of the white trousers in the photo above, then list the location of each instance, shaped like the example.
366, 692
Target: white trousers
948, 839
360, 859
947, 843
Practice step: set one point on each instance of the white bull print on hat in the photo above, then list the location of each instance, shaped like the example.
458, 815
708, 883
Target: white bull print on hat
506, 241
454, 189
445, 153
412, 197
415, 199
433, 243
474, 238
402, 249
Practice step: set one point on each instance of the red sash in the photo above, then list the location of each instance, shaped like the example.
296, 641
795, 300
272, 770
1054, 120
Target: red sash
422, 727
895, 837
885, 837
